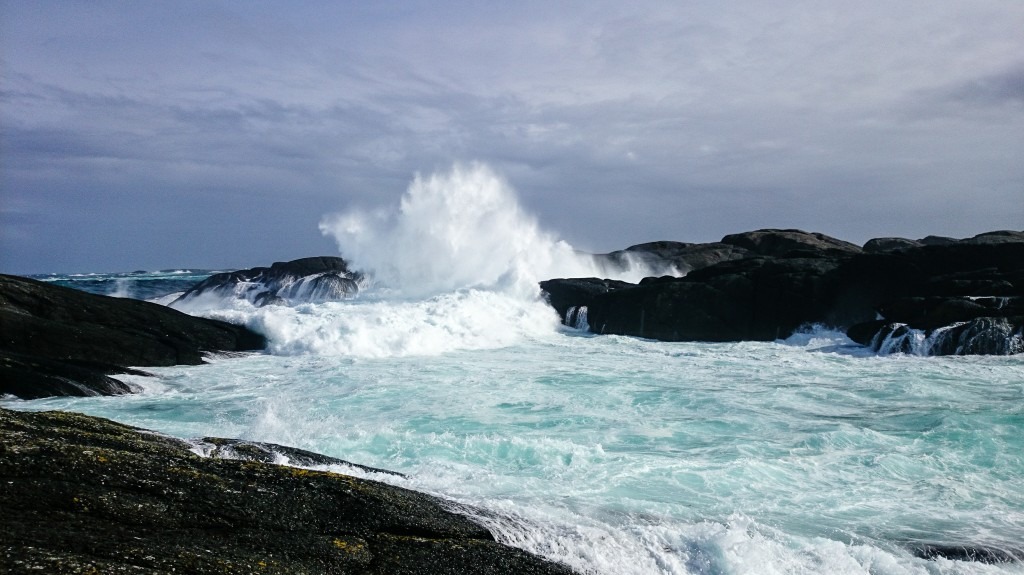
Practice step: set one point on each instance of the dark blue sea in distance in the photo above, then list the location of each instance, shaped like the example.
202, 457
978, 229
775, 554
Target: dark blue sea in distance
142, 285
615, 455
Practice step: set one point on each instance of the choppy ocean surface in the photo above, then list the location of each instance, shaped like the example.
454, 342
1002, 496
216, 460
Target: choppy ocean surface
614, 455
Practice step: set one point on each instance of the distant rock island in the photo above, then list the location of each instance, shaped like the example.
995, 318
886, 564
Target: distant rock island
935, 295
315, 279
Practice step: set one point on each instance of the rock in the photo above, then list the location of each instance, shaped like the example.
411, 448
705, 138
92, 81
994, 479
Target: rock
877, 245
223, 448
791, 278
756, 298
782, 243
564, 294
61, 341
937, 241
968, 552
677, 257
979, 336
87, 495
315, 279
34, 377
997, 237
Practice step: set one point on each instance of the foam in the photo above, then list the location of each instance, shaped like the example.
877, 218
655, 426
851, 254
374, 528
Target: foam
463, 228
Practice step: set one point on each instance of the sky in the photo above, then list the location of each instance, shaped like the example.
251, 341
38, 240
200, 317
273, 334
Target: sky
154, 135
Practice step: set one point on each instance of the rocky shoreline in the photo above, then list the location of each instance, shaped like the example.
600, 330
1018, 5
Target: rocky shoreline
61, 341
949, 296
87, 495
83, 494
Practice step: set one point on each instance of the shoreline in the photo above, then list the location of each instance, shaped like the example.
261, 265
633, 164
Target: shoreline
84, 493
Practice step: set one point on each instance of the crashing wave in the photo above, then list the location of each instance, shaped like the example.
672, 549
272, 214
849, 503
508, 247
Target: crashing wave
980, 336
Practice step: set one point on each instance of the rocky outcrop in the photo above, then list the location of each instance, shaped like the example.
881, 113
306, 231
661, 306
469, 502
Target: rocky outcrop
969, 290
757, 298
783, 243
60, 341
880, 245
315, 280
87, 495
671, 257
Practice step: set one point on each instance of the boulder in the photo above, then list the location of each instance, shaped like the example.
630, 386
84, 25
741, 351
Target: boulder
564, 294
87, 495
996, 237
61, 341
667, 256
782, 243
315, 279
877, 245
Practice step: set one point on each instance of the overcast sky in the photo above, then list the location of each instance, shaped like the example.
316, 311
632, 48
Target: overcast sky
146, 135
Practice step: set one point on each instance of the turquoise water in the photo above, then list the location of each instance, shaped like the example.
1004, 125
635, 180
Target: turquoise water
619, 455
614, 455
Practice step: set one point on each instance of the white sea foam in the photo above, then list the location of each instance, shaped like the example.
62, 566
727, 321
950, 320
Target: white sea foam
455, 265
459, 229
615, 455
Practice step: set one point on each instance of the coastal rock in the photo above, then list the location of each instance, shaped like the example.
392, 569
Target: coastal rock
564, 294
877, 245
790, 278
996, 237
979, 336
676, 257
87, 495
61, 341
782, 243
757, 298
315, 279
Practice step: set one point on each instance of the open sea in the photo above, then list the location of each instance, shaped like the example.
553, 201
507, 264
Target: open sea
614, 455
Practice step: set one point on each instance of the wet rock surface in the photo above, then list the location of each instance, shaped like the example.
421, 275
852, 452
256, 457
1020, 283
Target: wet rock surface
86, 495
314, 279
61, 341
970, 290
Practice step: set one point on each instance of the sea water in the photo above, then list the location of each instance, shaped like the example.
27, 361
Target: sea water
614, 455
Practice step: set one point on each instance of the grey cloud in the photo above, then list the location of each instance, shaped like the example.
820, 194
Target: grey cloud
616, 124
1006, 86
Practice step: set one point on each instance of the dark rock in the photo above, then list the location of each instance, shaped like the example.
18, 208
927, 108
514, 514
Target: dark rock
997, 237
87, 495
223, 448
564, 294
665, 256
979, 336
864, 332
756, 298
937, 241
316, 279
33, 377
967, 552
877, 245
61, 341
783, 243
796, 278
894, 338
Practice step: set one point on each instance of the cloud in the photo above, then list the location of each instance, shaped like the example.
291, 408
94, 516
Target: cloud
616, 124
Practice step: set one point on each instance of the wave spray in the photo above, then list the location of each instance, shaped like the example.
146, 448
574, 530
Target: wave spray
453, 230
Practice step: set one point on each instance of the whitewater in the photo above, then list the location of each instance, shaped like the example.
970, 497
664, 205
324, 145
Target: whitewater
611, 454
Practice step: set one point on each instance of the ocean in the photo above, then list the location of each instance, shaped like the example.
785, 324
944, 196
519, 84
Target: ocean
614, 455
